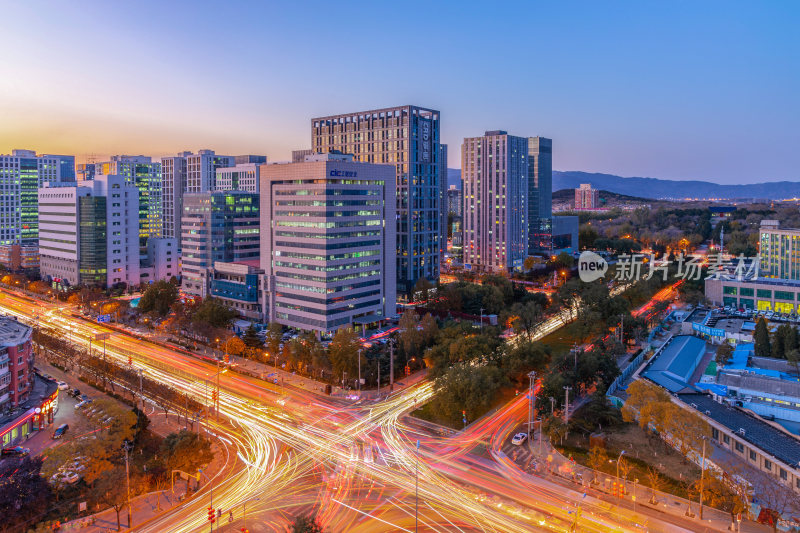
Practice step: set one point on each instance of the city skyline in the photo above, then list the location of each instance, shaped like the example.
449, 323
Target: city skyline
630, 90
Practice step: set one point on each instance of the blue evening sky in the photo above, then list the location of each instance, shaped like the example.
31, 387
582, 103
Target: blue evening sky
682, 90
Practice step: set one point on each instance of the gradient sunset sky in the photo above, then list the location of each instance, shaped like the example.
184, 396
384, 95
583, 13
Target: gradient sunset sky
680, 90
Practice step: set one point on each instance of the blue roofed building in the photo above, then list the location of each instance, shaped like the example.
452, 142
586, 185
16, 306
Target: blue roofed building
674, 364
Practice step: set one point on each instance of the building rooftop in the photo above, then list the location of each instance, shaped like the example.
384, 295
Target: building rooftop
761, 382
772, 440
673, 367
12, 332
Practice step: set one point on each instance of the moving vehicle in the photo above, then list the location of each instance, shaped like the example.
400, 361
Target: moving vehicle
16, 451
519, 439
60, 430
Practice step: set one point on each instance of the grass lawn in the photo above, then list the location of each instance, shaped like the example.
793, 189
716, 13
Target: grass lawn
641, 452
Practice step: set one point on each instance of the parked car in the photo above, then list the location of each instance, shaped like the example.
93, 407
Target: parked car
83, 403
519, 439
16, 451
75, 393
60, 430
62, 385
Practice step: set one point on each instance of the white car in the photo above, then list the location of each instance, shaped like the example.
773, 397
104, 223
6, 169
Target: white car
519, 439
62, 385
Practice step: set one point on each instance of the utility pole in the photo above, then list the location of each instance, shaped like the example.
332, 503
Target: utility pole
702, 477
566, 405
481, 318
391, 365
379, 376
128, 482
141, 388
531, 403
359, 372
216, 403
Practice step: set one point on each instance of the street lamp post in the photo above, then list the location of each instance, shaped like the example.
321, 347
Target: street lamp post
618, 458
566, 405
244, 510
391, 365
126, 445
702, 476
531, 403
359, 372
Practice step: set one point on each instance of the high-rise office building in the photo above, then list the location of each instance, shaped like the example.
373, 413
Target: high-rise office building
494, 169
298, 156
328, 242
779, 251
66, 166
249, 159
85, 171
141, 172
442, 203
455, 205
586, 197
216, 226
90, 233
201, 169
408, 138
21, 175
242, 177
173, 185
189, 172
540, 194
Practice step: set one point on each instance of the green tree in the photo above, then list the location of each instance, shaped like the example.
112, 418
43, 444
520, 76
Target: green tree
564, 260
587, 236
761, 338
158, 298
186, 450
343, 352
526, 318
273, 338
251, 338
306, 524
793, 357
724, 353
422, 289
24, 493
469, 388
111, 489
212, 313
409, 336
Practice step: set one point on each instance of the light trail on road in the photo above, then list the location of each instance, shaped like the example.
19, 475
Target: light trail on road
355, 464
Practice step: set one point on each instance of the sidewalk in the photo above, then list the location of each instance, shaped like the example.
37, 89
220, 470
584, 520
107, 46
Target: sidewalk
145, 506
557, 468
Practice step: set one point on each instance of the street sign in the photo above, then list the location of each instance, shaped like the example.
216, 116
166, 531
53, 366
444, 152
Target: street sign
104, 318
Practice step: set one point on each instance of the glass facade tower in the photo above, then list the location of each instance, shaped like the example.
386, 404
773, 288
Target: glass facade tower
406, 137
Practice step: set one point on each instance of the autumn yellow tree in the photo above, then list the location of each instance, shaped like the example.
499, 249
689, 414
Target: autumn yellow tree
646, 404
597, 458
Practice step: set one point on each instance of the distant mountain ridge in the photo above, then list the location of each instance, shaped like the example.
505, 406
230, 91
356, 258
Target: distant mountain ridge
654, 188
658, 188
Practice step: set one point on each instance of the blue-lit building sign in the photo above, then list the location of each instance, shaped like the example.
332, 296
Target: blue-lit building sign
705, 330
